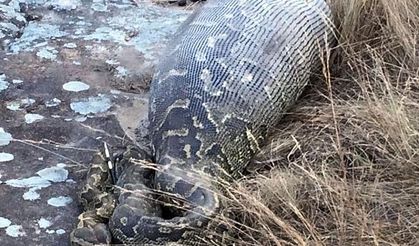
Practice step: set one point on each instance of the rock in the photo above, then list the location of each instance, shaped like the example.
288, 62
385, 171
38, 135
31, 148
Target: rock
85, 44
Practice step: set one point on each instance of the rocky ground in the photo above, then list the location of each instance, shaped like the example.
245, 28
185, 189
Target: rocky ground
67, 72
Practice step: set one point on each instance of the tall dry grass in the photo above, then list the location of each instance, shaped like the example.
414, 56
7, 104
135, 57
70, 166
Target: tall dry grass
343, 166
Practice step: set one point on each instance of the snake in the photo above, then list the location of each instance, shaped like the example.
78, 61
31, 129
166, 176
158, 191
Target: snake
227, 77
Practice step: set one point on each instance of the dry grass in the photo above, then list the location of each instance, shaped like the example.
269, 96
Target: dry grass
343, 167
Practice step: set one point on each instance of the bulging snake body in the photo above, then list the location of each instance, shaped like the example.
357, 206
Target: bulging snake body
229, 74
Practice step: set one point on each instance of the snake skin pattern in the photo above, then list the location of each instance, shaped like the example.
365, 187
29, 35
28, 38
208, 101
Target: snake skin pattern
231, 72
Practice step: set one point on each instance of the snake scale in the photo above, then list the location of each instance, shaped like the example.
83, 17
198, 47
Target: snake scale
228, 76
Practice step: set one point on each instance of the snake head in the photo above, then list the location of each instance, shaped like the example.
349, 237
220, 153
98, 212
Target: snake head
184, 205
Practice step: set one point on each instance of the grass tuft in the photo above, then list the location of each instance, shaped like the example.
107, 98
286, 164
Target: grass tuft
343, 167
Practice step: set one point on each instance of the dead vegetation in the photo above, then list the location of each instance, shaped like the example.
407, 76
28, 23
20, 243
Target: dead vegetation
343, 167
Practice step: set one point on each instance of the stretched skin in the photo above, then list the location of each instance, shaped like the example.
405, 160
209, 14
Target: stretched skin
229, 75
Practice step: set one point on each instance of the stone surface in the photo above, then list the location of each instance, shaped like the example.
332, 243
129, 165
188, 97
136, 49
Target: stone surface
49, 128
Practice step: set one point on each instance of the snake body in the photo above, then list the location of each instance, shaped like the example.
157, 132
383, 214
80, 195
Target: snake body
229, 75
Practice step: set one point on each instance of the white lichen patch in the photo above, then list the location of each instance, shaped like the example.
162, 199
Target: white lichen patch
98, 6
115, 92
4, 222
3, 83
92, 105
31, 118
42, 44
54, 174
44, 178
79, 31
15, 231
48, 53
121, 72
35, 182
19, 104
31, 194
65, 4
80, 118
71, 181
58, 231
70, 45
4, 157
5, 137
44, 223
9, 13
27, 101
83, 23
36, 33
59, 201
53, 102
107, 34
165, 23
75, 86
13, 105
17, 81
